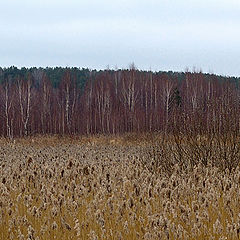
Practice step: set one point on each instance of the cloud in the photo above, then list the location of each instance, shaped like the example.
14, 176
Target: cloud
164, 33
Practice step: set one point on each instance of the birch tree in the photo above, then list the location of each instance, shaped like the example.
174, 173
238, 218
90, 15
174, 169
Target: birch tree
24, 96
7, 97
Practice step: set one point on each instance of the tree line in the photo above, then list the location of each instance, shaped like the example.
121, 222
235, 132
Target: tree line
76, 101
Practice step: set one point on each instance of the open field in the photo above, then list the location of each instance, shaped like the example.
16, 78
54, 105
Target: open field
129, 187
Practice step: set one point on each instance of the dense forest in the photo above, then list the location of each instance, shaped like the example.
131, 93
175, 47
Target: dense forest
82, 101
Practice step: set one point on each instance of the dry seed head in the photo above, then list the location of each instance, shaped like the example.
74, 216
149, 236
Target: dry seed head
54, 225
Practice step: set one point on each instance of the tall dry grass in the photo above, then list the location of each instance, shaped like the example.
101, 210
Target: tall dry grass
126, 187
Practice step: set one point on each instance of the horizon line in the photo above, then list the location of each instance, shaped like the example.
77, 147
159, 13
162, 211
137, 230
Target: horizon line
116, 68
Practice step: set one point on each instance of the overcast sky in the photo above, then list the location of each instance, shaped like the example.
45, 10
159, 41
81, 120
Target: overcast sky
154, 34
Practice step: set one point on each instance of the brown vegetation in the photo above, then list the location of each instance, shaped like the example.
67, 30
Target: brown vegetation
130, 187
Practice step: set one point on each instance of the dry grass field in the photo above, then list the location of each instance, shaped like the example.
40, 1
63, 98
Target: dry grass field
130, 187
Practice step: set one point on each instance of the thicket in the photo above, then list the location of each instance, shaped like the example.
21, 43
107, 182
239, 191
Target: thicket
72, 101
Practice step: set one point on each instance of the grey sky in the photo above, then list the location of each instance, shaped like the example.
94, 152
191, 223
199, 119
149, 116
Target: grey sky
161, 35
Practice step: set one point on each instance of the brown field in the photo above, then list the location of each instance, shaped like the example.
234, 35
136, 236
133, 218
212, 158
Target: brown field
126, 187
